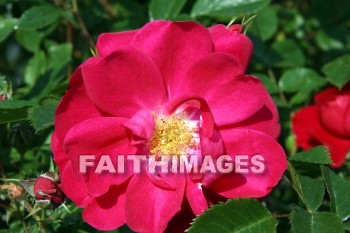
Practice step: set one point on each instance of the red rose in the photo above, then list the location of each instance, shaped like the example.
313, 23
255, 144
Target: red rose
167, 88
2, 97
47, 190
326, 123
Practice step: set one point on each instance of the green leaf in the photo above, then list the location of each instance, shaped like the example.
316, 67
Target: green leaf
14, 110
165, 9
301, 79
42, 117
289, 54
36, 67
310, 191
300, 97
6, 27
338, 71
38, 17
59, 58
238, 215
70, 17
332, 38
226, 7
30, 40
266, 23
35, 210
339, 192
319, 222
313, 192
317, 155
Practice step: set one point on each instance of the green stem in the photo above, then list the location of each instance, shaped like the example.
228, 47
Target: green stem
42, 219
274, 80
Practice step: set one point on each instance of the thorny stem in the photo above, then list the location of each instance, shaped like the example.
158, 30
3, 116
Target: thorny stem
82, 25
274, 80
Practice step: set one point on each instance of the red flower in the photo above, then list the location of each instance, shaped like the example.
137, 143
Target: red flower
47, 190
166, 88
326, 123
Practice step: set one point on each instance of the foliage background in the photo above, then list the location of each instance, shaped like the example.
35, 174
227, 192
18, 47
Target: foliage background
301, 46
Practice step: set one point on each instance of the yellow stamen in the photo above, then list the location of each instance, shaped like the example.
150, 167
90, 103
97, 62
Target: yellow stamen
171, 136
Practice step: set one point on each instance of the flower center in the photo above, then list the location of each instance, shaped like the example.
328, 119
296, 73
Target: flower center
172, 135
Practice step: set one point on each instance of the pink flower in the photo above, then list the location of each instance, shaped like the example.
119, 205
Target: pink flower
326, 123
169, 87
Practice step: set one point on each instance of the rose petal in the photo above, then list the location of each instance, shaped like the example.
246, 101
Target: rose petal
75, 105
74, 187
218, 79
347, 120
232, 42
251, 142
160, 181
212, 146
99, 136
155, 206
107, 43
59, 156
310, 132
171, 45
265, 120
334, 106
195, 196
124, 82
141, 125
108, 211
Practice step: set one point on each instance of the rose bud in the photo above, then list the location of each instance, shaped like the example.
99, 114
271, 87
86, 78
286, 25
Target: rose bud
47, 190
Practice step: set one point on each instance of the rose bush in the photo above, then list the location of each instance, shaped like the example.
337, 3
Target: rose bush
326, 123
163, 76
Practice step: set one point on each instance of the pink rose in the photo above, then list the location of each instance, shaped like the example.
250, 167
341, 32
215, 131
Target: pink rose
169, 87
326, 123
